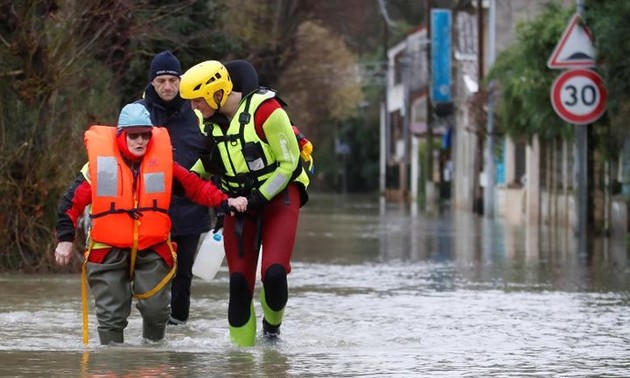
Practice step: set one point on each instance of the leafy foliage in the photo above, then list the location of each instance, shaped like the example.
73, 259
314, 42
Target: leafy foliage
524, 81
608, 20
69, 64
55, 88
321, 91
331, 84
190, 29
65, 64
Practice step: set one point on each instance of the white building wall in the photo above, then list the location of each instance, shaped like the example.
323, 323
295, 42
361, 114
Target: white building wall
511, 201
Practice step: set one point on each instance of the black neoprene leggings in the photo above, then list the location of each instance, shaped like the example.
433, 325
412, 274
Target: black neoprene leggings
180, 288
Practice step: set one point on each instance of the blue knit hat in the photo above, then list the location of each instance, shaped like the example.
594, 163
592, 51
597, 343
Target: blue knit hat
134, 115
165, 63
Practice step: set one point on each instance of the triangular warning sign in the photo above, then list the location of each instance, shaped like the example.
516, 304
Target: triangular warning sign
575, 49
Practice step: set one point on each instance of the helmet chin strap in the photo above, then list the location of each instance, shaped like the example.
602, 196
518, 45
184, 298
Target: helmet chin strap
218, 103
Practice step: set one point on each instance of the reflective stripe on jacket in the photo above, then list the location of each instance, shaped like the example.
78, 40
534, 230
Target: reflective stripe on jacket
250, 162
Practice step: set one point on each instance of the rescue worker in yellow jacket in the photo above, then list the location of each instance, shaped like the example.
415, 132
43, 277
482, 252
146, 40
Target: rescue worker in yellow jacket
128, 182
257, 157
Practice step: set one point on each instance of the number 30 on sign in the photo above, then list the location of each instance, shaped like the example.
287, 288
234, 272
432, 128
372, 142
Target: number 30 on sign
579, 96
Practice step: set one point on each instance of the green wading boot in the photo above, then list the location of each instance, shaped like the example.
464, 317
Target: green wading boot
272, 319
152, 332
110, 337
245, 335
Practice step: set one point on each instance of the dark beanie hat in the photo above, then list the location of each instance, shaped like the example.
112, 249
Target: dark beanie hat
243, 75
165, 63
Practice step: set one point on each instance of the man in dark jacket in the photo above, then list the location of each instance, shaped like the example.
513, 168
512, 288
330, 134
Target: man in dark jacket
190, 220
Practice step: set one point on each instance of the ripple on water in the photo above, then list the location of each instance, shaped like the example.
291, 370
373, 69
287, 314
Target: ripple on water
371, 319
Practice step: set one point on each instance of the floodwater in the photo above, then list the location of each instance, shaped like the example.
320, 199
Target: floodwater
376, 291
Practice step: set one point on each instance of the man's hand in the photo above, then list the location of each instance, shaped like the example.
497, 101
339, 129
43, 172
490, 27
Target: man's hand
63, 252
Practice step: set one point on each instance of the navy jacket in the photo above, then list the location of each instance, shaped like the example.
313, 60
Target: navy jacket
183, 127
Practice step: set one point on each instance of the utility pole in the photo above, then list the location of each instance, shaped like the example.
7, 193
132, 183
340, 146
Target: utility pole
405, 62
386, 135
429, 160
477, 194
440, 102
489, 192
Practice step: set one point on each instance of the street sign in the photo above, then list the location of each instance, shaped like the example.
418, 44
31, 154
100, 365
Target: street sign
575, 48
579, 96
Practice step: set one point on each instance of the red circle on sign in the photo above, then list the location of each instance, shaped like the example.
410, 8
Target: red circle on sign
579, 96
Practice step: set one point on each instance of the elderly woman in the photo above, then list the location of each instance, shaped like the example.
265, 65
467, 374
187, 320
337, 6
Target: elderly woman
128, 182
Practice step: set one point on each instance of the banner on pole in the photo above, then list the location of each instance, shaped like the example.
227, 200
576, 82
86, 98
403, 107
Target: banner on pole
441, 55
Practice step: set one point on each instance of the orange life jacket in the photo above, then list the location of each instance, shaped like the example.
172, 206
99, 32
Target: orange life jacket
129, 213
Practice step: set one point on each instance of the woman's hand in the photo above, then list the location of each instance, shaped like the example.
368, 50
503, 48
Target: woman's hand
238, 203
63, 252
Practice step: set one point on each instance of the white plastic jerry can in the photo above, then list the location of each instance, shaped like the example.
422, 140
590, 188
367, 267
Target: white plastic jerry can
209, 256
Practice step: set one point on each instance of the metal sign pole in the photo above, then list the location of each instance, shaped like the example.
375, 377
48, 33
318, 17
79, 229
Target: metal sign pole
581, 144
582, 179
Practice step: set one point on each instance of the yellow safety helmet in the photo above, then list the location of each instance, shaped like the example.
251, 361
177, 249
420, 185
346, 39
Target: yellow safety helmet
203, 80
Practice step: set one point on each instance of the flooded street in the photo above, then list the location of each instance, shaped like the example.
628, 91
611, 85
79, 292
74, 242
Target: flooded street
376, 291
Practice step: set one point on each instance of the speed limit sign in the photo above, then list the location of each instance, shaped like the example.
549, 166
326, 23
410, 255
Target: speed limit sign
579, 96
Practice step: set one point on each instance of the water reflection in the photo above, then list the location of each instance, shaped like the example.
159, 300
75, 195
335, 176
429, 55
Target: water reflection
495, 251
376, 290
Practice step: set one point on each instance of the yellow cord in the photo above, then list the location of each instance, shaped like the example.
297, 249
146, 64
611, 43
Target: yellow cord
84, 304
166, 278
84, 288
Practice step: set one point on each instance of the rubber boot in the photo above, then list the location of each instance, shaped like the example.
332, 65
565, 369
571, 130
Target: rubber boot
272, 319
108, 337
245, 335
175, 322
152, 332
270, 332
